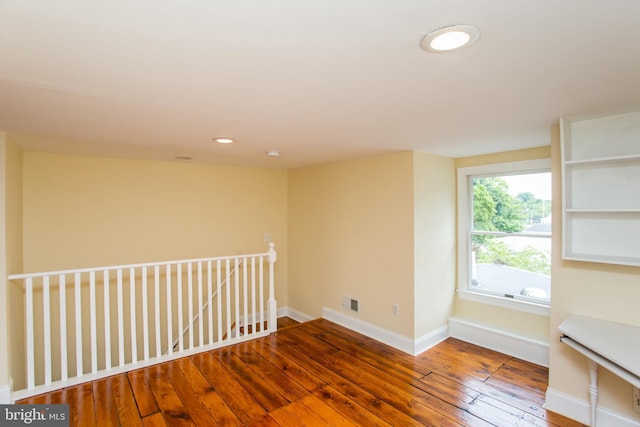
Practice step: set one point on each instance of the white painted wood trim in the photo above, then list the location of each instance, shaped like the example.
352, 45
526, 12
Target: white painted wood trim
22, 394
372, 331
5, 393
520, 346
413, 347
614, 346
579, 410
433, 338
296, 315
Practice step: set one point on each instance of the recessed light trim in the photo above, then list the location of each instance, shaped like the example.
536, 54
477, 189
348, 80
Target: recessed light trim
450, 38
224, 140
273, 153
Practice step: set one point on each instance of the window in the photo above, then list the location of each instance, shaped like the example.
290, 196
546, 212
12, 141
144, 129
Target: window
504, 234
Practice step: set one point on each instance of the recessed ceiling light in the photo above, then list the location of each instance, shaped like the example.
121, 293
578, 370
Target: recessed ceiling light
224, 140
273, 153
450, 38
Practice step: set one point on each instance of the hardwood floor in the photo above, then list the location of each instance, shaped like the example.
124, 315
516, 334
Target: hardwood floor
319, 374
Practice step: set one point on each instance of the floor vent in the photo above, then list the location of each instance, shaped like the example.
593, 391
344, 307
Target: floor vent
350, 304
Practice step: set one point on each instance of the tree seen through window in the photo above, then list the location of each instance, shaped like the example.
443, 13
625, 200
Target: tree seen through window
510, 238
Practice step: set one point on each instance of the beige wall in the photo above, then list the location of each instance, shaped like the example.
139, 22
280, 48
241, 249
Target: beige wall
11, 339
601, 291
435, 243
378, 229
505, 319
88, 211
351, 234
4, 290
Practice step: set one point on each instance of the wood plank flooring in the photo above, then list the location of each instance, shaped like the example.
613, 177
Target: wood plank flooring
319, 374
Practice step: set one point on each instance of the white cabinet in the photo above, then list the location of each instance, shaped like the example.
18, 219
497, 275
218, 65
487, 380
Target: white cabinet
601, 189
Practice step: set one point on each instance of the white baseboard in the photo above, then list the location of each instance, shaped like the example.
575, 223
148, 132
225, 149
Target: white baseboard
579, 410
281, 312
522, 347
385, 336
5, 393
429, 340
296, 315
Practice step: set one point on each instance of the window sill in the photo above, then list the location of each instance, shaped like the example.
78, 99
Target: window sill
524, 306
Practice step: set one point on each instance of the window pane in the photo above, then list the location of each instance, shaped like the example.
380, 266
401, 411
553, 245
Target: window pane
512, 203
514, 265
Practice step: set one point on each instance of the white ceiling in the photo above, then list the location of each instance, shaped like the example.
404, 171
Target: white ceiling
318, 80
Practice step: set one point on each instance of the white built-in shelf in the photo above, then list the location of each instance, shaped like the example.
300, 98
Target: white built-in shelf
603, 210
601, 189
603, 160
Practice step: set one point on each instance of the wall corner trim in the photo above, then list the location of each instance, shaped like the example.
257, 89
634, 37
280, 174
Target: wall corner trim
400, 342
520, 346
296, 315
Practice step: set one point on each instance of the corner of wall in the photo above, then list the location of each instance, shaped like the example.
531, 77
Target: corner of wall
434, 237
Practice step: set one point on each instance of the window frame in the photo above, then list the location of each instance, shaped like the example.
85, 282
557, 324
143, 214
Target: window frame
465, 221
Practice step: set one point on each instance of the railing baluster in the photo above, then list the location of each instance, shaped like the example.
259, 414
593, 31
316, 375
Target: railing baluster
31, 361
200, 302
120, 319
78, 303
237, 317
190, 300
219, 298
145, 315
132, 308
210, 300
245, 297
92, 322
106, 284
46, 305
156, 281
262, 306
254, 317
228, 295
169, 312
180, 320
62, 285
236, 288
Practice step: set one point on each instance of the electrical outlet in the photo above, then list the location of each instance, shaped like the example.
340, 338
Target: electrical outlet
636, 399
394, 309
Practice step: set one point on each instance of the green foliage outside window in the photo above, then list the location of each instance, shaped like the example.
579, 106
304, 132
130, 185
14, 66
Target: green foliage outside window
497, 210
530, 259
494, 209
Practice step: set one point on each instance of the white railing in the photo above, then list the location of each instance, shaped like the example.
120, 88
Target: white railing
90, 323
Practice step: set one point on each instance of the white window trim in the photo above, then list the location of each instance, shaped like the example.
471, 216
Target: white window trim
464, 226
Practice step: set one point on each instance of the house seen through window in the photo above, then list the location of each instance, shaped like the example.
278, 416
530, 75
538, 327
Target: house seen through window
508, 235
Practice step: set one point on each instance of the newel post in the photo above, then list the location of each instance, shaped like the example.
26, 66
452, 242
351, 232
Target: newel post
272, 307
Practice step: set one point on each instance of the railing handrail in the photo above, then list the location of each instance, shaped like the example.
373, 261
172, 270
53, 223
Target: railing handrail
127, 266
